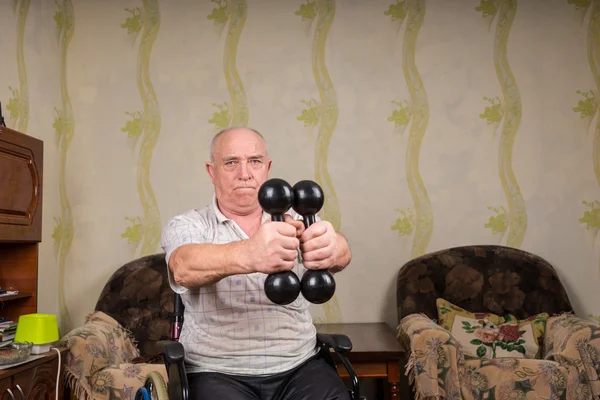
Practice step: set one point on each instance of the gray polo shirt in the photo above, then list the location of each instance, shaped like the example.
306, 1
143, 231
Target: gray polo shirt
231, 326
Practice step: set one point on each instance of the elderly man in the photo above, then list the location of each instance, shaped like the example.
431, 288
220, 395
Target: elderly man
240, 345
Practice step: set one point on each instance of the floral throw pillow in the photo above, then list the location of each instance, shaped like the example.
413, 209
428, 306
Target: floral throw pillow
486, 335
447, 312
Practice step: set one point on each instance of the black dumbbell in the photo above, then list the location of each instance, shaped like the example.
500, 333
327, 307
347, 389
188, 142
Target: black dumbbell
275, 196
317, 286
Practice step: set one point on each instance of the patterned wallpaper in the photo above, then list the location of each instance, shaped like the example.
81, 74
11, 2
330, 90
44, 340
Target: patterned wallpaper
428, 124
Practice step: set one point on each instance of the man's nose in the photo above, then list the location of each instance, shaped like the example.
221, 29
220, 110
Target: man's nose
244, 171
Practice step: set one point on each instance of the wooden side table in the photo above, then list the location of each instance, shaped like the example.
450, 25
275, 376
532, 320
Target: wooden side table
33, 380
375, 352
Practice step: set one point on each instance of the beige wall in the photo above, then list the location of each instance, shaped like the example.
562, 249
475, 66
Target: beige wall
367, 60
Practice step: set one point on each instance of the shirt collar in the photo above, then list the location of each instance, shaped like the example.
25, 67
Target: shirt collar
222, 218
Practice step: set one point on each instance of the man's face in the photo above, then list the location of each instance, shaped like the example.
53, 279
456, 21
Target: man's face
239, 168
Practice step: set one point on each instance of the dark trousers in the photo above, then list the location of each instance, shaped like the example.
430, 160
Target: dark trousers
313, 380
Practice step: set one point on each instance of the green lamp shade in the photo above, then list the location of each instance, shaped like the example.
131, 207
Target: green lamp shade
37, 329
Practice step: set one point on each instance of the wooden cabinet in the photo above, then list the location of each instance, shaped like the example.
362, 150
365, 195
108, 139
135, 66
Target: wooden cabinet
21, 166
35, 380
21, 182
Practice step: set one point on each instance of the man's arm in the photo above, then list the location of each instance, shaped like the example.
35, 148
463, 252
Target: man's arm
197, 265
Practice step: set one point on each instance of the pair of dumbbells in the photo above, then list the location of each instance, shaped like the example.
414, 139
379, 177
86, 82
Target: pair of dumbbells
276, 197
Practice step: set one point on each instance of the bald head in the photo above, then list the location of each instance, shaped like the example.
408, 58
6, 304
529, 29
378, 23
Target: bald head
231, 129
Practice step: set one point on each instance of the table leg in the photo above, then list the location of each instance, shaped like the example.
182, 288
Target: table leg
393, 375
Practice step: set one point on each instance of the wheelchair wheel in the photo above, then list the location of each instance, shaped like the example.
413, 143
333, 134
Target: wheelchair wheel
155, 388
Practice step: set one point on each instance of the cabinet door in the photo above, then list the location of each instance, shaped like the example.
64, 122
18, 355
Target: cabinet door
21, 165
38, 383
6, 384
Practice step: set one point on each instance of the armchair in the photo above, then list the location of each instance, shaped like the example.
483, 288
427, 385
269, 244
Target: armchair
508, 292
130, 335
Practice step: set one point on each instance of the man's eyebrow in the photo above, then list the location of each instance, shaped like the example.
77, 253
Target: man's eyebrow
230, 158
255, 156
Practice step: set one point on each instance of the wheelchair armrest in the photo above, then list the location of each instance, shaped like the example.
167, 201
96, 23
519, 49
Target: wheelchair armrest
174, 355
173, 351
339, 343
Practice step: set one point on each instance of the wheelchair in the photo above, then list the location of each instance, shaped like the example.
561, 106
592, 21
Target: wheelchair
173, 353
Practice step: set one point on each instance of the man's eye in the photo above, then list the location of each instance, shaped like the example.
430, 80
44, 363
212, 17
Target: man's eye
256, 161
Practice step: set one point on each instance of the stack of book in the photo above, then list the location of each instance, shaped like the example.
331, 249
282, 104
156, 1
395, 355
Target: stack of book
7, 332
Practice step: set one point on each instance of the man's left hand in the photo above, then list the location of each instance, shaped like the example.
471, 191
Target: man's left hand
319, 244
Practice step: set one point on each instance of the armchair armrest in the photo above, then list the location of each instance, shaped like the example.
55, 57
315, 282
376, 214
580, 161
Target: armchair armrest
99, 343
434, 357
574, 342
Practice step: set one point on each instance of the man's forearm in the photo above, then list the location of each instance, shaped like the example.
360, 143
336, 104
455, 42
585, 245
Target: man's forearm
197, 265
343, 254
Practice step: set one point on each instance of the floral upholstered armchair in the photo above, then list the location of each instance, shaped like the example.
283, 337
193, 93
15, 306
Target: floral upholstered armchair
493, 322
111, 354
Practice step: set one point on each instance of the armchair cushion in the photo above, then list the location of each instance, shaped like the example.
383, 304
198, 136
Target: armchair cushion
512, 378
574, 342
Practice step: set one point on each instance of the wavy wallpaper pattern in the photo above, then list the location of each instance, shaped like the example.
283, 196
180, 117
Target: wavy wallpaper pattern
508, 110
64, 128
416, 114
235, 112
146, 125
18, 105
401, 106
588, 108
324, 114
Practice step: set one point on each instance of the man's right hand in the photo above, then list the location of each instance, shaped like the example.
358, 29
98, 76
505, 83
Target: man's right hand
273, 248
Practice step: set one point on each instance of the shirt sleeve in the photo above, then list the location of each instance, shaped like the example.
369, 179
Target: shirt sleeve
180, 230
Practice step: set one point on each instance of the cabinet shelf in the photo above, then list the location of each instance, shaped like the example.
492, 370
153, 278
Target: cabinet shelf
9, 297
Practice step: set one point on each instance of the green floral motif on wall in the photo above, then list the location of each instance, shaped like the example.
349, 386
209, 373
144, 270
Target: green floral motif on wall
221, 118
588, 106
401, 116
134, 232
397, 10
580, 4
308, 10
492, 113
405, 225
498, 222
220, 14
57, 124
58, 233
133, 24
133, 127
591, 217
310, 115
13, 105
487, 7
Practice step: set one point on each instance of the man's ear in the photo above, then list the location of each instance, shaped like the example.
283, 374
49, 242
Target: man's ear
269, 162
210, 168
